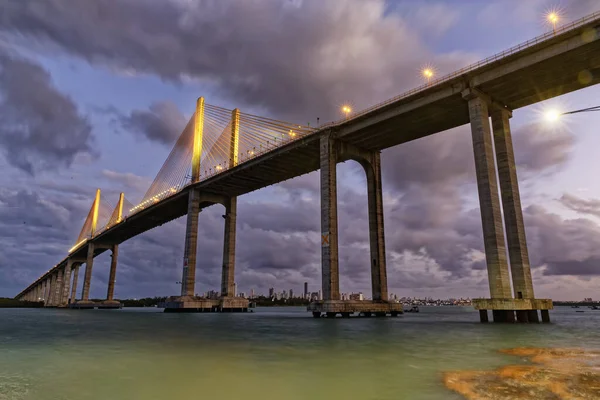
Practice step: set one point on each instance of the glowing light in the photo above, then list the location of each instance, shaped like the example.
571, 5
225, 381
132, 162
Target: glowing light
218, 168
346, 109
428, 72
77, 245
292, 133
553, 17
552, 115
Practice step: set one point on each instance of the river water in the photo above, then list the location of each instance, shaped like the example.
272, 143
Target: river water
273, 353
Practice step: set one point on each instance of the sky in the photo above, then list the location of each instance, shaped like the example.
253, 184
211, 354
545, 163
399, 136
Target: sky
94, 95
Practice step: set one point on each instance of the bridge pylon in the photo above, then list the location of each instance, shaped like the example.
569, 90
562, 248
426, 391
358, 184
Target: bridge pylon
188, 301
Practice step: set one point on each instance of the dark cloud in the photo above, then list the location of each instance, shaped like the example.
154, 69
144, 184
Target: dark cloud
297, 60
162, 122
565, 247
581, 206
539, 147
40, 128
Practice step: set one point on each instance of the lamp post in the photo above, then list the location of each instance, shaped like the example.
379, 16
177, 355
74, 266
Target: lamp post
427, 73
553, 17
346, 110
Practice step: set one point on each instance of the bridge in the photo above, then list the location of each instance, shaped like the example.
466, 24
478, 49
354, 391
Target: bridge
223, 154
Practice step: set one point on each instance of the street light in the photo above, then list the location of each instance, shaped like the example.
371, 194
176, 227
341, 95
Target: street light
553, 17
427, 73
346, 110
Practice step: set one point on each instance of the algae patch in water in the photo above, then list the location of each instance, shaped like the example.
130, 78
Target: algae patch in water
555, 373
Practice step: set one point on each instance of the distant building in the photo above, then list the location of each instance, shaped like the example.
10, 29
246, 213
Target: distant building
320, 295
271, 292
306, 290
234, 289
251, 293
357, 296
291, 294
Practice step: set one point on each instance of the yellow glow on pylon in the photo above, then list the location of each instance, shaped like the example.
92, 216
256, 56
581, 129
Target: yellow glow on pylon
95, 212
235, 137
120, 207
198, 131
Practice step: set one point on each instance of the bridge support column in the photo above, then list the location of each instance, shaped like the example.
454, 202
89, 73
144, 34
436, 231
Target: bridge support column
329, 228
228, 272
46, 286
511, 205
489, 202
376, 233
229, 300
64, 293
332, 151
502, 304
52, 281
87, 278
110, 302
74, 285
110, 293
188, 279
58, 287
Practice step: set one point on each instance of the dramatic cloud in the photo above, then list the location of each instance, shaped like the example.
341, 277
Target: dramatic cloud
564, 247
260, 54
581, 206
448, 156
162, 122
40, 128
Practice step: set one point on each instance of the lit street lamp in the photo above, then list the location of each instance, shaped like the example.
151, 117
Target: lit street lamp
346, 110
553, 16
427, 73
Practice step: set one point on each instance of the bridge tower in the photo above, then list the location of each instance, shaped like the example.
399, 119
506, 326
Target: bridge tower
188, 301
89, 263
188, 279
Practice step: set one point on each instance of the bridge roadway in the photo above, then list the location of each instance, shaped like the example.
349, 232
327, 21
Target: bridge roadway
550, 66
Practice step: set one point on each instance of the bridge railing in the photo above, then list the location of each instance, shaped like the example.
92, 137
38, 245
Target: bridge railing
547, 35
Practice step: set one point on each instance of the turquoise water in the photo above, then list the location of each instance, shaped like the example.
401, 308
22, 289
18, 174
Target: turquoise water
273, 353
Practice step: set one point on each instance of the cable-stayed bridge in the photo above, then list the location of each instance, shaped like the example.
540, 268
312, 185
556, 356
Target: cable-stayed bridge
223, 154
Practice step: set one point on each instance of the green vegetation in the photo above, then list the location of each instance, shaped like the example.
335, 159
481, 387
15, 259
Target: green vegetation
146, 302
12, 303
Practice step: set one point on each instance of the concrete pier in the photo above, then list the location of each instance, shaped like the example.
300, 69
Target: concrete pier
332, 152
110, 303
87, 278
66, 286
188, 279
491, 219
511, 205
228, 270
74, 285
329, 229
523, 307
